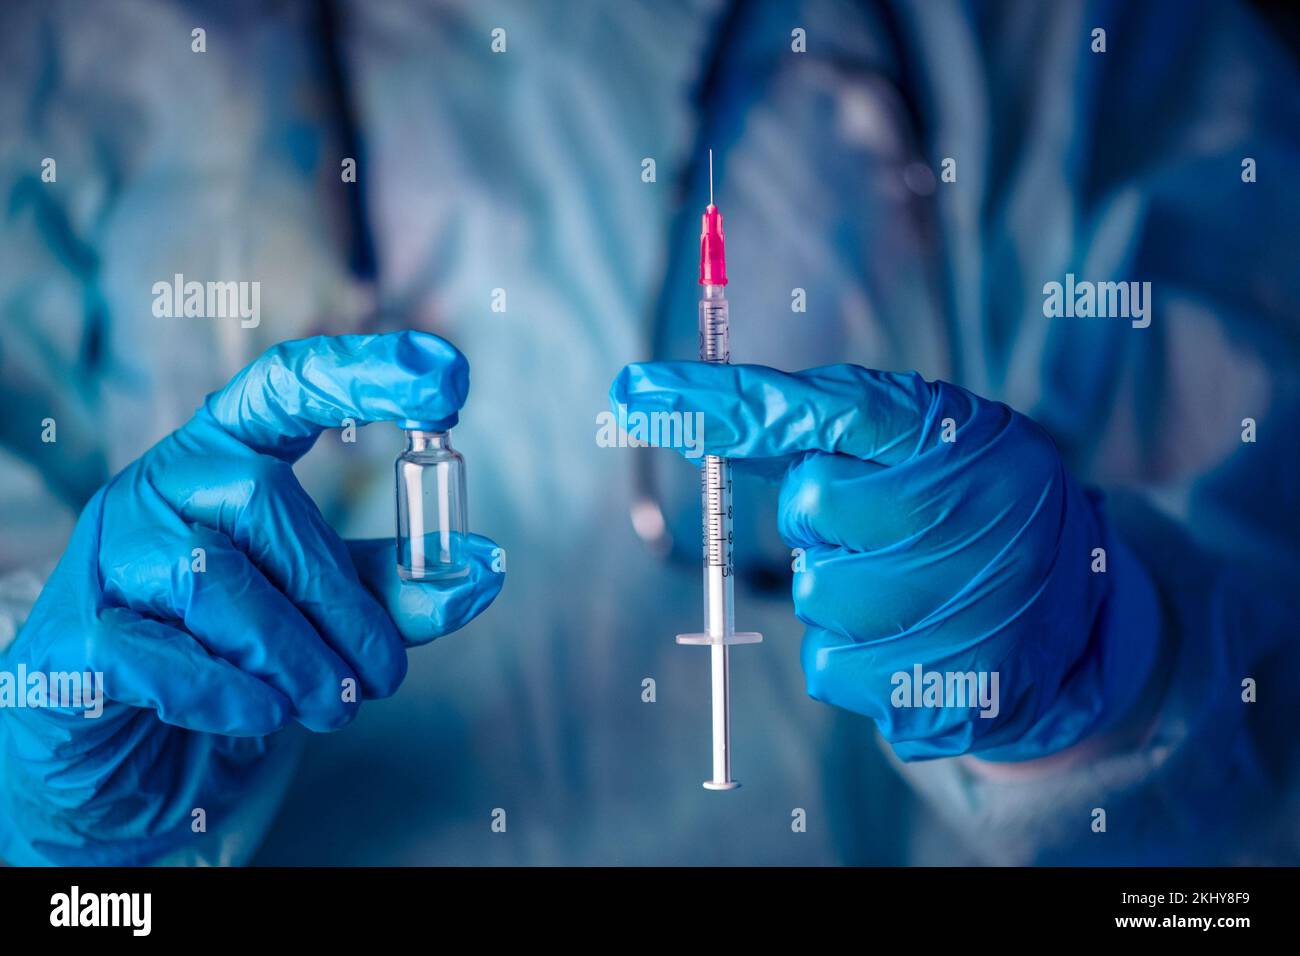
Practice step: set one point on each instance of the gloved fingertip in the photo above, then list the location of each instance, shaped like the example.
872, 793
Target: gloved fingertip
278, 713
618, 388
816, 658
456, 605
642, 381
388, 674
423, 611
332, 719
423, 353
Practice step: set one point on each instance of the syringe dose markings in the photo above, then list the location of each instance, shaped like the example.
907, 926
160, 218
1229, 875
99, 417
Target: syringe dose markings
717, 513
714, 346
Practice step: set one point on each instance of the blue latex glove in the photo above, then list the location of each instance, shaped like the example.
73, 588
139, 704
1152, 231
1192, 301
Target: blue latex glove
199, 667
973, 555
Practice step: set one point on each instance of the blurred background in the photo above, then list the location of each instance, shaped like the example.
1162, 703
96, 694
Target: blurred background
524, 169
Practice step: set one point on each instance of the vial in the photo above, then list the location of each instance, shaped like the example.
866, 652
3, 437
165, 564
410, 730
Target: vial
431, 510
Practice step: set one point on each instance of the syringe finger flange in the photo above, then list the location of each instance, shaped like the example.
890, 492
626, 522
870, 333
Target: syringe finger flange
740, 637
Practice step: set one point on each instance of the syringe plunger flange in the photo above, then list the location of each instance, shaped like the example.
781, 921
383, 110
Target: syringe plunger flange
740, 637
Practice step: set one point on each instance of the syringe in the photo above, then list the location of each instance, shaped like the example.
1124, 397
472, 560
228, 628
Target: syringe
719, 610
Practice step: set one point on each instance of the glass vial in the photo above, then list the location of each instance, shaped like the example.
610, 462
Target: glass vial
432, 520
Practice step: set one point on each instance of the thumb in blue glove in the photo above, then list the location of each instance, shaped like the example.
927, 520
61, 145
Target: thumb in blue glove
941, 538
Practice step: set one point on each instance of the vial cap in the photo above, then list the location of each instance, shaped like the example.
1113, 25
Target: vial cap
430, 425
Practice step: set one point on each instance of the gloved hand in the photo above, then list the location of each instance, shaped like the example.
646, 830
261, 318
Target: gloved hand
969, 555
199, 666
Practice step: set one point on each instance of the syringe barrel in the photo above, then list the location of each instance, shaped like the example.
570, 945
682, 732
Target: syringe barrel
715, 325
719, 594
715, 482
